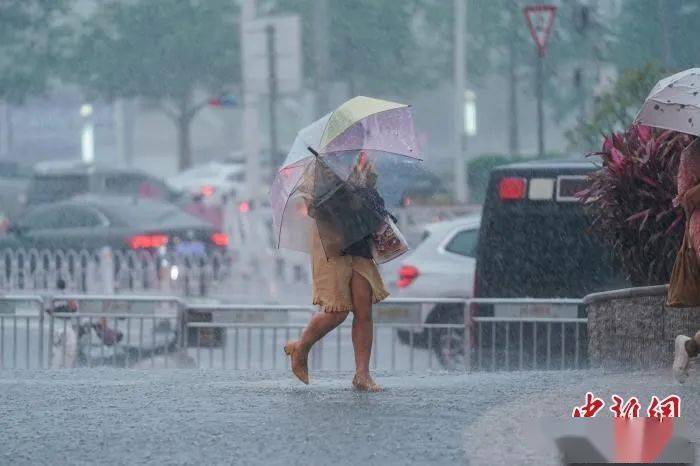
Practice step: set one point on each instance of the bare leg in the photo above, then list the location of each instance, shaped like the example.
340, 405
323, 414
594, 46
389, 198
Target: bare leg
320, 324
362, 332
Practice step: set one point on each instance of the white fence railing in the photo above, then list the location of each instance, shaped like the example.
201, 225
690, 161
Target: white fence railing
107, 271
153, 331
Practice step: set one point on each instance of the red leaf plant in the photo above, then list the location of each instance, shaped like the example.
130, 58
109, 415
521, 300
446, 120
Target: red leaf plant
629, 201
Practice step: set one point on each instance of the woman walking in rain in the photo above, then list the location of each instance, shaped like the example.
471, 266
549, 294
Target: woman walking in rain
329, 199
349, 282
688, 197
672, 104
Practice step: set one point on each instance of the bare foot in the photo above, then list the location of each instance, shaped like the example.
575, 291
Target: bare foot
299, 360
365, 383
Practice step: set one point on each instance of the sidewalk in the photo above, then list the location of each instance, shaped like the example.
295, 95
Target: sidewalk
112, 416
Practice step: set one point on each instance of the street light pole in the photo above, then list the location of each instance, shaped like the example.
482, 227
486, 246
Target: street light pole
321, 56
460, 65
251, 139
272, 89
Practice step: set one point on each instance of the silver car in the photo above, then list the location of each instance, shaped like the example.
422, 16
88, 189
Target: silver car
441, 266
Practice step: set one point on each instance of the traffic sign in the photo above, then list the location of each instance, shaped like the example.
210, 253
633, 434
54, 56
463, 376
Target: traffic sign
540, 19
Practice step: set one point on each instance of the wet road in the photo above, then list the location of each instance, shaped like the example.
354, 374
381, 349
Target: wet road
184, 416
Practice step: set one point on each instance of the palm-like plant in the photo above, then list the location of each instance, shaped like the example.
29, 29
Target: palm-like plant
630, 201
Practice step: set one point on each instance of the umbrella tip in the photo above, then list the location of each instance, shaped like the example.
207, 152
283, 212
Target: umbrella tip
312, 151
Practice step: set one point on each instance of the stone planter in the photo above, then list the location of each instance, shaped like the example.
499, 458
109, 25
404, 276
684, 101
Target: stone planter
633, 328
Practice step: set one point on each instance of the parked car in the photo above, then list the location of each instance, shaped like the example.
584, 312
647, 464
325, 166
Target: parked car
536, 241
440, 266
56, 181
122, 223
211, 181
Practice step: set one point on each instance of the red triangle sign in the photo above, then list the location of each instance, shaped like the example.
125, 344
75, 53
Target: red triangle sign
540, 19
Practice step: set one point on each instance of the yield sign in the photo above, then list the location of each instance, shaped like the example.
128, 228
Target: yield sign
540, 19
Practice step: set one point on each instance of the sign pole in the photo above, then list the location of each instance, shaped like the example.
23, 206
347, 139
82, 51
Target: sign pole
540, 107
540, 19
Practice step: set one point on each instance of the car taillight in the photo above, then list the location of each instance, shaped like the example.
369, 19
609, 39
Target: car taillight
511, 189
147, 241
407, 274
207, 190
219, 239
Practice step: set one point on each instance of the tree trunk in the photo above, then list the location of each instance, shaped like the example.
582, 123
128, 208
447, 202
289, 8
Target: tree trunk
184, 144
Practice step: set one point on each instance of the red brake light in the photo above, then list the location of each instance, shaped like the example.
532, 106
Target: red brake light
407, 274
207, 190
511, 189
244, 207
219, 239
147, 241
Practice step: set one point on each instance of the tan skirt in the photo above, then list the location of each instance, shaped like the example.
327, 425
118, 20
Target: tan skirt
331, 279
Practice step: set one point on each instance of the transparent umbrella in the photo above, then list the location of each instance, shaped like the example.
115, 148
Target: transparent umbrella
343, 173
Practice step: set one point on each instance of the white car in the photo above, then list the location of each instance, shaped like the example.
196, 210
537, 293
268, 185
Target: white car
441, 266
212, 181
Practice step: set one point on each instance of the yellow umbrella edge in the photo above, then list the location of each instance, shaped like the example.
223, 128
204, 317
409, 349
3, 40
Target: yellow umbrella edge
353, 111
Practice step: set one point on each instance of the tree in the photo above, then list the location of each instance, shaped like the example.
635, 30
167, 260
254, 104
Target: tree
616, 109
656, 31
162, 51
32, 35
377, 47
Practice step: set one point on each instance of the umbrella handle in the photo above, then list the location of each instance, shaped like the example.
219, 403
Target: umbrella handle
312, 150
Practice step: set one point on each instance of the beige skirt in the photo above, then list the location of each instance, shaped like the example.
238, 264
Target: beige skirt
331, 279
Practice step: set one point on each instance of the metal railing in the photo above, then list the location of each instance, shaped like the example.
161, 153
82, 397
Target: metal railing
112, 271
489, 343
163, 331
23, 332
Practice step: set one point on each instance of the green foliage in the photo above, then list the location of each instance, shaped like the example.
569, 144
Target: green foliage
162, 50
630, 201
659, 31
378, 47
32, 36
617, 108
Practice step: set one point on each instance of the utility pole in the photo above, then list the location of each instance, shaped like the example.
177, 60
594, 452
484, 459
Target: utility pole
460, 65
5, 130
251, 140
272, 89
321, 56
124, 127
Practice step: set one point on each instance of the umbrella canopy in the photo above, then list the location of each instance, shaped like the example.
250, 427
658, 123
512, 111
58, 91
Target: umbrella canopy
674, 103
342, 173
